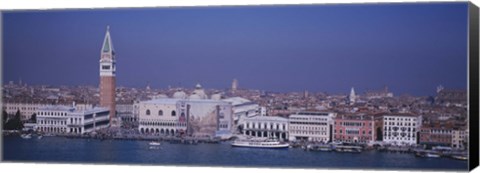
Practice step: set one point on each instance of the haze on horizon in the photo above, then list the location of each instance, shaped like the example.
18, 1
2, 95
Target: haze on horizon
411, 48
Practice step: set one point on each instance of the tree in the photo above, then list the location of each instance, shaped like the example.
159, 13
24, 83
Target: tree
4, 118
33, 118
15, 123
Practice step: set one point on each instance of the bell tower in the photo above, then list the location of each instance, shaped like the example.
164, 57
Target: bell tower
107, 76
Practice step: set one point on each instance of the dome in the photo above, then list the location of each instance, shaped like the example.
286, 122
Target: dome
216, 97
179, 95
199, 92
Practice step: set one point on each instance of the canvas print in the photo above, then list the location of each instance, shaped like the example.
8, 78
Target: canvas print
346, 86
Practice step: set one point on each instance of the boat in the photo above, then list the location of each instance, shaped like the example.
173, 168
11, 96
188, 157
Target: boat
348, 149
459, 157
320, 147
426, 153
252, 143
26, 136
153, 143
39, 137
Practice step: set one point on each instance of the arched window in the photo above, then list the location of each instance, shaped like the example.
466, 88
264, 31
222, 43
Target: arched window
174, 113
160, 112
147, 112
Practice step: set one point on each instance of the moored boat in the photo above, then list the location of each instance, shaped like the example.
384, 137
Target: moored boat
459, 157
348, 149
153, 143
26, 136
272, 144
427, 153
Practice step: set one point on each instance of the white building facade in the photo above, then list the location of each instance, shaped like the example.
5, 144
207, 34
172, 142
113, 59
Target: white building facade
192, 117
401, 129
459, 139
26, 109
244, 108
311, 126
69, 120
266, 127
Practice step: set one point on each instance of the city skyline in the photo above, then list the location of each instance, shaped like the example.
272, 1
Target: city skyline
258, 45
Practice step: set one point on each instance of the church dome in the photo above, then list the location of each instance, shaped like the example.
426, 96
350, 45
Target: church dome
217, 96
179, 95
199, 92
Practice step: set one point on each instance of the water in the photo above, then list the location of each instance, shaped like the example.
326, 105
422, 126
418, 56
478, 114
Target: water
63, 150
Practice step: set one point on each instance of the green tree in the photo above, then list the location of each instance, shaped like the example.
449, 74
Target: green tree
4, 118
15, 123
33, 118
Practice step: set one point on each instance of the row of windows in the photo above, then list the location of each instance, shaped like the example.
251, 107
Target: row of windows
52, 122
395, 134
22, 108
360, 138
352, 132
357, 124
400, 128
171, 124
160, 113
53, 113
302, 132
308, 128
310, 123
308, 119
265, 126
392, 138
399, 124
400, 119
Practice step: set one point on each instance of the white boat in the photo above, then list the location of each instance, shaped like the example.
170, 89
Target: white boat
153, 143
39, 137
427, 153
26, 136
460, 157
432, 155
273, 144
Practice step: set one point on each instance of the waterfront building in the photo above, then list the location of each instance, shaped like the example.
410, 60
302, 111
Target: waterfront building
354, 129
26, 109
61, 119
107, 75
266, 127
435, 136
311, 126
126, 113
244, 108
459, 138
401, 129
192, 117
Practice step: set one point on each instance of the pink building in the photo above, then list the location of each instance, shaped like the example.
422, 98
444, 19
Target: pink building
354, 129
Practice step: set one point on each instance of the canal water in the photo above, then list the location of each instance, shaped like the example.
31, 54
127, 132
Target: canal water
64, 150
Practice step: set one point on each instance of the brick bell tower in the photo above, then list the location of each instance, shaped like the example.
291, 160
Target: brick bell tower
107, 77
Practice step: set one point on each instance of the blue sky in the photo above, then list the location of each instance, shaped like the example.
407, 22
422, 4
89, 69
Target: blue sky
411, 48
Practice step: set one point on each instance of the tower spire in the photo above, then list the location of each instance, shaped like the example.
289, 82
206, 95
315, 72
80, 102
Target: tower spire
107, 43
